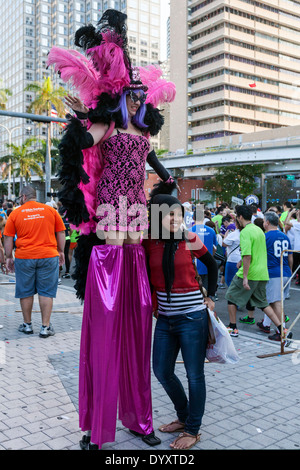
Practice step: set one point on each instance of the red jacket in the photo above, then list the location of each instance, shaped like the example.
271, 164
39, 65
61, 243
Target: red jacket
184, 280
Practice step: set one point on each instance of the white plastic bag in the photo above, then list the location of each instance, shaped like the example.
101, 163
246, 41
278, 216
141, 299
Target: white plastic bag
223, 350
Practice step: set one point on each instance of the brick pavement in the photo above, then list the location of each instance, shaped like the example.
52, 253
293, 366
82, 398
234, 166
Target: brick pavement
251, 405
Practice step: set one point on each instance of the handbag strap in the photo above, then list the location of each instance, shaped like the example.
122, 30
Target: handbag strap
233, 250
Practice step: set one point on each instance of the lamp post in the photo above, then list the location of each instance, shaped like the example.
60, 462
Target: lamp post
10, 131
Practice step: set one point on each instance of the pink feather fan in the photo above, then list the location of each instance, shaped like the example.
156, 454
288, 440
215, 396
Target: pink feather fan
159, 90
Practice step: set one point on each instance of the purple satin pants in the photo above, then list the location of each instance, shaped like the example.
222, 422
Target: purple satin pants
114, 367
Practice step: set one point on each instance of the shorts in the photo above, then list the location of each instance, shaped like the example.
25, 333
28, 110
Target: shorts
256, 296
36, 276
274, 289
230, 271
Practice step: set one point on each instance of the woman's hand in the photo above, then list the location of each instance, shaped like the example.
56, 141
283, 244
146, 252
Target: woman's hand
76, 104
209, 303
155, 314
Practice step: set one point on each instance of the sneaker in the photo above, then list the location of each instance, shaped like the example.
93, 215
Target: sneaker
265, 329
66, 276
46, 331
26, 328
235, 333
59, 281
248, 320
277, 337
221, 286
286, 319
232, 332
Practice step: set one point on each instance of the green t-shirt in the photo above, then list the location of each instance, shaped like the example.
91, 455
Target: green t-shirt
284, 216
217, 218
253, 243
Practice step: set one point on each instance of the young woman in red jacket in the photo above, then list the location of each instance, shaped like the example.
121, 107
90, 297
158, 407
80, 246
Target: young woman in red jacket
181, 311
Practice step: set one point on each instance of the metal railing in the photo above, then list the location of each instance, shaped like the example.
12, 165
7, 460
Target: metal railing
282, 288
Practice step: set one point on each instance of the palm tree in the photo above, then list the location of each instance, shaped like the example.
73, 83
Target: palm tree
4, 93
24, 160
46, 97
54, 153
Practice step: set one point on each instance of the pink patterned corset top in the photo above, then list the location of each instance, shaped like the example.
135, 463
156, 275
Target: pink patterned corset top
124, 162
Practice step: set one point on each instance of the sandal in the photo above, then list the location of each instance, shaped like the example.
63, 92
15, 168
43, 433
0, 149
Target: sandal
180, 427
149, 439
183, 435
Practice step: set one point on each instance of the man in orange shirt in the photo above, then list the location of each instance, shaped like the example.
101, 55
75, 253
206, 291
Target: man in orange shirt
39, 252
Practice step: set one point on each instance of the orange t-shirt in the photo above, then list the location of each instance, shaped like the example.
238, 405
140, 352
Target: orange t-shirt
35, 225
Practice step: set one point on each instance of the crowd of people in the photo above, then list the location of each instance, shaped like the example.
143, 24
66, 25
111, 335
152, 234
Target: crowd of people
247, 244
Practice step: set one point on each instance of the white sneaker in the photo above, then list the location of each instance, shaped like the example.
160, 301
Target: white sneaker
26, 328
46, 331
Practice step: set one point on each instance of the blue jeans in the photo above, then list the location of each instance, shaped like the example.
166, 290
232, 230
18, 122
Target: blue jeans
187, 333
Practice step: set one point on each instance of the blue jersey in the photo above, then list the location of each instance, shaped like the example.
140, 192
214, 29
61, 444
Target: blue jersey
189, 219
277, 241
208, 237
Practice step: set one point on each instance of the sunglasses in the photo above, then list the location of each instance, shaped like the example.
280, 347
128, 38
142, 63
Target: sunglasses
135, 98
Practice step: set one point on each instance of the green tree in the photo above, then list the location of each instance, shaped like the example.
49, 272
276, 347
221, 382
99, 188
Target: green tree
234, 180
55, 160
46, 96
24, 161
4, 93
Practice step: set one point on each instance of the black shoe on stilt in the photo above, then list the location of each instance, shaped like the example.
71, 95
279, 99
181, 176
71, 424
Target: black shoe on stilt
85, 444
149, 439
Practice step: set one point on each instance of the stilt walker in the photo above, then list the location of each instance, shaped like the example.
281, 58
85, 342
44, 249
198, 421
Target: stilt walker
103, 156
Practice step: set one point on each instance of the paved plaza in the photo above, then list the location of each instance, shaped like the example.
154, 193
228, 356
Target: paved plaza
252, 405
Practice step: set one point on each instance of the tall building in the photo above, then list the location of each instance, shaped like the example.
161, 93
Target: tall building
236, 67
29, 28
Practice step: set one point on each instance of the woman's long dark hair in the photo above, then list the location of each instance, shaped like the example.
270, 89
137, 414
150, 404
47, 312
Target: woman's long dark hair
160, 195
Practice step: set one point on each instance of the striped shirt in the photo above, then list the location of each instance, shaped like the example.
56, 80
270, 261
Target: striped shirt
181, 303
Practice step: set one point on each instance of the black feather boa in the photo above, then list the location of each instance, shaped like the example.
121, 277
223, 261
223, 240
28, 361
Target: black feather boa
82, 256
71, 173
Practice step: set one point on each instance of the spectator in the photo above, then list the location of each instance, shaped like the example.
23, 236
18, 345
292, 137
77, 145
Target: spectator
2, 257
208, 237
255, 212
188, 215
219, 214
231, 242
276, 243
74, 235
3, 209
39, 251
228, 225
259, 222
286, 206
249, 283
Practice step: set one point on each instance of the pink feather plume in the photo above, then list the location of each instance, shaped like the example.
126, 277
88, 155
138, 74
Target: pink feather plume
78, 70
159, 90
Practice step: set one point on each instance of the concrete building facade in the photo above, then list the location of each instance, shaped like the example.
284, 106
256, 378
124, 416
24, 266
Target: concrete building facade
236, 67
